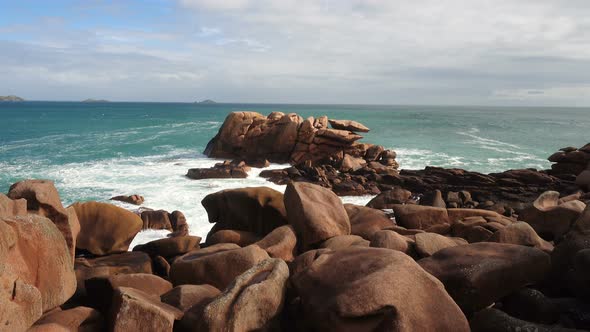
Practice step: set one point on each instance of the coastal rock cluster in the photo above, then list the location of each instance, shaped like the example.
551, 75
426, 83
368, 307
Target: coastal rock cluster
288, 138
573, 164
294, 261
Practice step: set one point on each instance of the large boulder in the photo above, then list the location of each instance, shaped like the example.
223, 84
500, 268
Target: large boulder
392, 240
125, 263
366, 221
563, 258
478, 274
385, 290
257, 209
100, 290
316, 213
348, 125
280, 243
387, 199
156, 219
43, 199
429, 243
549, 217
494, 320
170, 247
105, 228
75, 319
253, 302
523, 234
134, 310
241, 238
217, 265
40, 257
184, 297
419, 216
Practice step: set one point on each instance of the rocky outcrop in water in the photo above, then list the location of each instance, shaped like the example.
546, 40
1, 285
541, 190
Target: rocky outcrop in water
11, 98
283, 138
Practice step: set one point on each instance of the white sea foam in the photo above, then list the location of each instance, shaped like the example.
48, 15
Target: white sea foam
160, 179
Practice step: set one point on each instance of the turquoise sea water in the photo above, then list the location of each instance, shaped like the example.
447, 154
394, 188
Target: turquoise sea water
97, 150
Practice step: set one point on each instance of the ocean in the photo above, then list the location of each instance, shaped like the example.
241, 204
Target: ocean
94, 151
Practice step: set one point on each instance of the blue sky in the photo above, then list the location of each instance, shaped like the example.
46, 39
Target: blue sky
499, 52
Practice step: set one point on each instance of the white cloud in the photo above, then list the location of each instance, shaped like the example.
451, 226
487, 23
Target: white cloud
352, 51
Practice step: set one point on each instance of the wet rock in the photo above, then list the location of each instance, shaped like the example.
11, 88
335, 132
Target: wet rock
224, 170
131, 199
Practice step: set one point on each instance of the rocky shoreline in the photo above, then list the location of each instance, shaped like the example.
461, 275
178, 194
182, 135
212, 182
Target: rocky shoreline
464, 251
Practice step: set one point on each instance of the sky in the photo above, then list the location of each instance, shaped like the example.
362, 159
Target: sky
452, 52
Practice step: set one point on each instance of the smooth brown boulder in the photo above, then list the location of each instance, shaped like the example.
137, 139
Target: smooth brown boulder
280, 243
131, 199
20, 302
365, 221
351, 164
419, 216
494, 320
344, 241
134, 310
384, 290
169, 247
36, 255
184, 297
389, 239
462, 213
217, 265
549, 217
75, 319
241, 238
100, 290
348, 125
434, 199
387, 199
478, 274
564, 277
43, 199
316, 213
105, 228
253, 302
256, 209
157, 219
583, 179
523, 234
125, 263
429, 243
179, 224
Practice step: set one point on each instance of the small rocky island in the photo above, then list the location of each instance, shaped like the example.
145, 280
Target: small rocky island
95, 101
206, 102
11, 98
436, 250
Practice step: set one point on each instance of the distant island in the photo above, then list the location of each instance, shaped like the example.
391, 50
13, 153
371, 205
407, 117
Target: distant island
206, 101
11, 98
95, 101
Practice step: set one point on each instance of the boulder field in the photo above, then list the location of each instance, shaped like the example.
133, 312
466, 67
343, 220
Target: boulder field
295, 261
